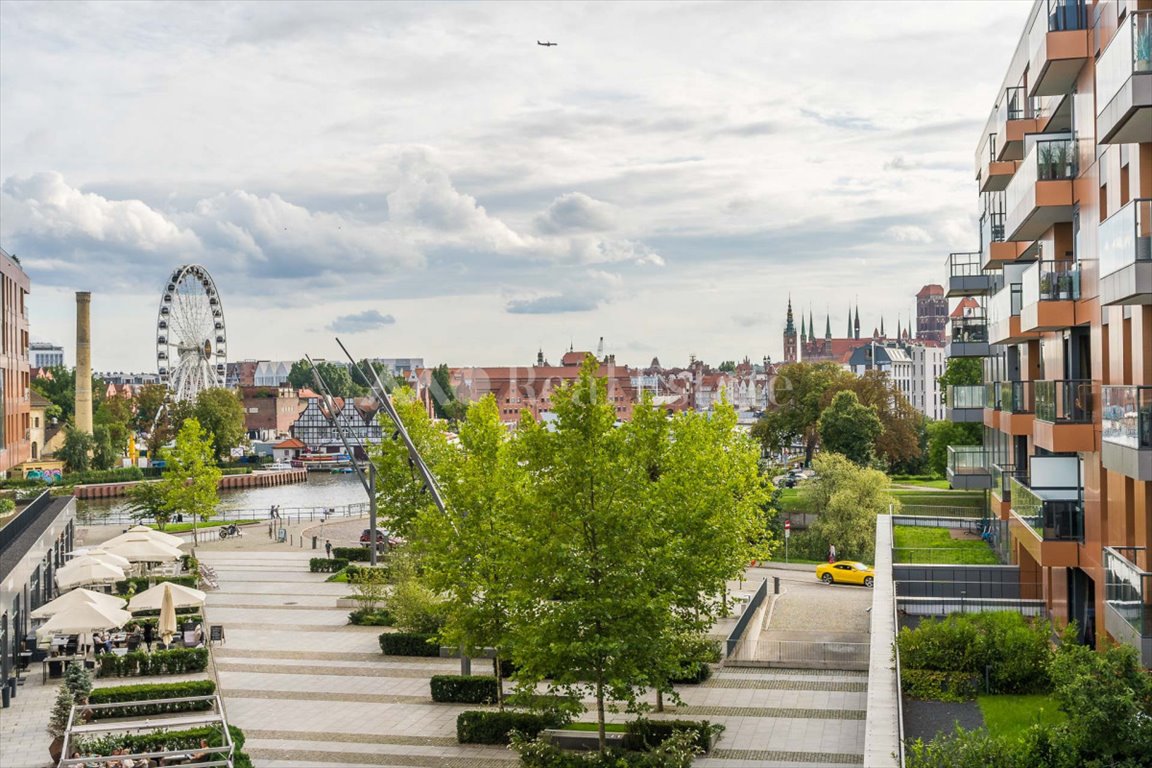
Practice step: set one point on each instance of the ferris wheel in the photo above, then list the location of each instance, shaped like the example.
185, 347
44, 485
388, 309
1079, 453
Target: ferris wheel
191, 343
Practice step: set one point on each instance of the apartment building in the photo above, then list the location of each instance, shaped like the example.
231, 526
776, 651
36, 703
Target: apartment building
15, 375
46, 355
1062, 283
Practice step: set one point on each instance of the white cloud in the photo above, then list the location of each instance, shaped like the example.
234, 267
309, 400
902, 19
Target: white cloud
369, 319
907, 233
576, 212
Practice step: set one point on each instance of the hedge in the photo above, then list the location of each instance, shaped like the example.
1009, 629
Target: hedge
643, 734
409, 644
125, 693
695, 676
327, 564
376, 618
464, 689
174, 661
171, 740
352, 554
939, 686
143, 582
479, 727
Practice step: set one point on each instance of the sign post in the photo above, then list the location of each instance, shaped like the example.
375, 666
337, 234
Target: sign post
787, 535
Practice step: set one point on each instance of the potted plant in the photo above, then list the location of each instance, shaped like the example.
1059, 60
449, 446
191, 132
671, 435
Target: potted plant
1064, 285
1046, 158
1046, 285
1143, 47
58, 721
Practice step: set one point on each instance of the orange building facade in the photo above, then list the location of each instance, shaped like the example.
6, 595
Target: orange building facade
15, 447
1063, 282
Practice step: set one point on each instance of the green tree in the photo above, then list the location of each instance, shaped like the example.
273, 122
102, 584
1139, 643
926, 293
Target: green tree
728, 366
623, 540
849, 428
902, 423
942, 434
961, 371
59, 388
149, 400
105, 453
147, 501
190, 483
848, 498
334, 375
221, 414
383, 372
444, 400
799, 395
76, 451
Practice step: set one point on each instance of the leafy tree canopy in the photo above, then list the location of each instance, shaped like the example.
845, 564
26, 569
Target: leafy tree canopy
334, 375
848, 498
849, 428
75, 453
189, 486
221, 414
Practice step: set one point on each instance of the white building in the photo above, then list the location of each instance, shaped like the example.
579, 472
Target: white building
43, 354
271, 373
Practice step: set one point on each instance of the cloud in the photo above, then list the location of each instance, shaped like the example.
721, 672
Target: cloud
898, 163
359, 322
576, 212
592, 289
843, 120
750, 320
908, 233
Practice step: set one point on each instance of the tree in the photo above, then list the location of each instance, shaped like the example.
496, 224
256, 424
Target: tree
444, 400
848, 498
728, 366
190, 483
942, 434
221, 414
623, 539
961, 371
799, 395
383, 372
149, 400
849, 428
334, 375
147, 501
61, 712
76, 450
59, 387
900, 439
173, 415
105, 453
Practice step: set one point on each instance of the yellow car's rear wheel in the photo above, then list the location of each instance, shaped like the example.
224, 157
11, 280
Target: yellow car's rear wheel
867, 581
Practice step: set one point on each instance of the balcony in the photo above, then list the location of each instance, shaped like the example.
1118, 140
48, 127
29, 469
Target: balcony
1125, 240
1064, 416
969, 337
1047, 522
995, 249
1050, 289
1040, 194
968, 467
1128, 598
1124, 83
1126, 414
992, 173
966, 275
1017, 408
1002, 476
1060, 44
1005, 307
965, 404
1015, 118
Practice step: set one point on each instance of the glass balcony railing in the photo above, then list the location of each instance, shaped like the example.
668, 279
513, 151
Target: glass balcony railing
1128, 587
1129, 53
1126, 412
1067, 401
992, 395
1016, 396
970, 330
965, 396
967, 460
1066, 15
1126, 237
1052, 519
991, 229
1002, 476
1051, 280
1045, 160
964, 265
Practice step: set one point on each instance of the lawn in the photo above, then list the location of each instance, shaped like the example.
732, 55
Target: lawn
1007, 714
920, 483
936, 546
184, 527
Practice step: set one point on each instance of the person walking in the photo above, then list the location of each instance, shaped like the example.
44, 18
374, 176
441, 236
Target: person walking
149, 635
831, 553
328, 547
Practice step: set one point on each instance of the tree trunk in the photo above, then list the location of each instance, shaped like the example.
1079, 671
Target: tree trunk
499, 682
659, 700
600, 730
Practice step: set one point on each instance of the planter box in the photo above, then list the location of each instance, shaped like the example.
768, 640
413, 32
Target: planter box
585, 741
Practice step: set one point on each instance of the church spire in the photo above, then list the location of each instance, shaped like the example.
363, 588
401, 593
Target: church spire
828, 326
790, 327
881, 325
803, 330
811, 325
856, 324
849, 334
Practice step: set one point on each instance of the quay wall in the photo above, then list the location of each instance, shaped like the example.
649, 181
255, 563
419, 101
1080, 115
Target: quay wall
227, 482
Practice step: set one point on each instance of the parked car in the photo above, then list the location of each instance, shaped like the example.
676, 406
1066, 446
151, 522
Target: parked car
382, 537
845, 572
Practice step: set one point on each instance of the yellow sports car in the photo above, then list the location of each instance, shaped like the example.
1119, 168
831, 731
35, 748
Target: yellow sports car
846, 571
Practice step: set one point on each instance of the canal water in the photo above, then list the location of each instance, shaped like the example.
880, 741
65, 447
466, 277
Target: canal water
322, 490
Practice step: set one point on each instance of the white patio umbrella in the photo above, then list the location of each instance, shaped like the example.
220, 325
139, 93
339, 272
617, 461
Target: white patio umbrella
84, 617
75, 597
141, 548
99, 554
98, 557
75, 574
166, 627
153, 597
167, 538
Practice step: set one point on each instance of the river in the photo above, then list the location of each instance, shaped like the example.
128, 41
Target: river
321, 490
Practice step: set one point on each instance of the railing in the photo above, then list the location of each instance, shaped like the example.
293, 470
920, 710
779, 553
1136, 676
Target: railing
1129, 53
969, 330
992, 395
965, 264
1067, 15
1125, 237
991, 229
1066, 401
1046, 160
286, 514
737, 633
1051, 280
1016, 396
967, 460
965, 396
1126, 412
1002, 476
1128, 587
23, 519
1052, 519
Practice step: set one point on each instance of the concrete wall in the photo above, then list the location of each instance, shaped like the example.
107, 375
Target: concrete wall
976, 581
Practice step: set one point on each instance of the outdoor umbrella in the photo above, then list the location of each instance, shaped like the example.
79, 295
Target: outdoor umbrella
167, 625
167, 538
153, 597
84, 617
141, 548
98, 554
74, 574
76, 596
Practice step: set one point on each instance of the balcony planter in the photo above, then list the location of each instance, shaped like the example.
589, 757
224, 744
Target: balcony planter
1046, 285
1064, 286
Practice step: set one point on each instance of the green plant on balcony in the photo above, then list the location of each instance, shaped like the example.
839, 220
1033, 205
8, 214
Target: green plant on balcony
1142, 47
1046, 285
1064, 285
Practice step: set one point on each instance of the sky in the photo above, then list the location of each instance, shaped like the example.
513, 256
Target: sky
425, 180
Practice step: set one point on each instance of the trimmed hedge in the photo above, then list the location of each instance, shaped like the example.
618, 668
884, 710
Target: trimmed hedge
156, 742
485, 727
464, 689
327, 564
352, 554
126, 693
695, 676
940, 686
644, 734
409, 644
175, 661
143, 582
377, 618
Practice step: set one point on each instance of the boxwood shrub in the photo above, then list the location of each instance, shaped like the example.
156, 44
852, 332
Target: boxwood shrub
694, 676
464, 689
409, 644
940, 686
352, 554
643, 734
145, 691
174, 661
376, 618
486, 727
173, 740
142, 583
327, 564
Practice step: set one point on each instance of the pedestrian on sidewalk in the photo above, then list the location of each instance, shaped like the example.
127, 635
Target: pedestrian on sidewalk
831, 553
328, 547
149, 636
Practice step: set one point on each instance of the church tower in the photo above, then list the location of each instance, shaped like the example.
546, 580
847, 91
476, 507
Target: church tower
790, 336
856, 325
